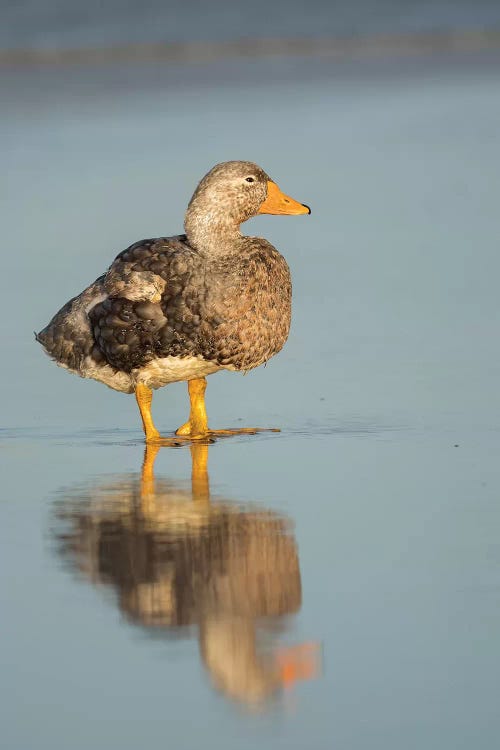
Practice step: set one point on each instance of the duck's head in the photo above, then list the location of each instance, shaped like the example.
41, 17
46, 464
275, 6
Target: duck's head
231, 193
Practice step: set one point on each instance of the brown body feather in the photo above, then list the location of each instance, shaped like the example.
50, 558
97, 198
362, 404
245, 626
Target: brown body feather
161, 298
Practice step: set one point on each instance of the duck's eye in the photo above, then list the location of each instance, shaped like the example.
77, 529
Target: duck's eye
250, 179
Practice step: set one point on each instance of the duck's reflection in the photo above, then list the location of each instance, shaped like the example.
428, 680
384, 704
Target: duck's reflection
175, 558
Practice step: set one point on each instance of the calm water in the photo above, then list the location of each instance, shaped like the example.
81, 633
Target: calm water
338, 584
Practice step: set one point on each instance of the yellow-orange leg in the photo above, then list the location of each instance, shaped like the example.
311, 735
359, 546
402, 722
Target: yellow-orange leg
144, 396
197, 425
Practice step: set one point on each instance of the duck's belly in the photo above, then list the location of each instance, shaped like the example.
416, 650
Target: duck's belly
166, 370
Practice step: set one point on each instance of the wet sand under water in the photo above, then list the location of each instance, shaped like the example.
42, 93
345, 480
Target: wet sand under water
335, 584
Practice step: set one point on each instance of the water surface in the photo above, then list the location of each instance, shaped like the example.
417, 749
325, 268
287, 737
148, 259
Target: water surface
373, 515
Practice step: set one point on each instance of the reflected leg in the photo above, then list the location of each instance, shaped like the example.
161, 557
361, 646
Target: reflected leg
199, 474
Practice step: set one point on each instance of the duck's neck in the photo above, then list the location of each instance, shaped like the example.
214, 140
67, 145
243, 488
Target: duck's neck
212, 232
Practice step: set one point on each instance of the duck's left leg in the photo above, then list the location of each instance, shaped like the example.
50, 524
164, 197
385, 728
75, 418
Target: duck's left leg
197, 425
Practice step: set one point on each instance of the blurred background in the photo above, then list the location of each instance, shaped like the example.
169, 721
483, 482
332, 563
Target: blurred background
384, 117
56, 26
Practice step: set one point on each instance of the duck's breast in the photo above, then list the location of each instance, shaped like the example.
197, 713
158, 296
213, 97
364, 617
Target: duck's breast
248, 310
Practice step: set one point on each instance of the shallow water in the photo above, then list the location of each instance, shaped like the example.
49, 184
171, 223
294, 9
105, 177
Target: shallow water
354, 557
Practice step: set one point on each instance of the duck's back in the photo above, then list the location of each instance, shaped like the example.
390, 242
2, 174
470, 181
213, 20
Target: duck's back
164, 312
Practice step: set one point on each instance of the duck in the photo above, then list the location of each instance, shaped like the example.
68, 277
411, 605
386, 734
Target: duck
183, 307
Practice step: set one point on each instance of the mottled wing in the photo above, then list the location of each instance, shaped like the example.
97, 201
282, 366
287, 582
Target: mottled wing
151, 309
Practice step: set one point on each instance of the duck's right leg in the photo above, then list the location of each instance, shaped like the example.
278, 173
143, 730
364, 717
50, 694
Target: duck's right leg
144, 396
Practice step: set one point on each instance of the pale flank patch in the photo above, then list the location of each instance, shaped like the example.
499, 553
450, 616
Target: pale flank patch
159, 372
119, 381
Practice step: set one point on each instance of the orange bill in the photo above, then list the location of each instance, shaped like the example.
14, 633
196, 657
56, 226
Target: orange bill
279, 203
